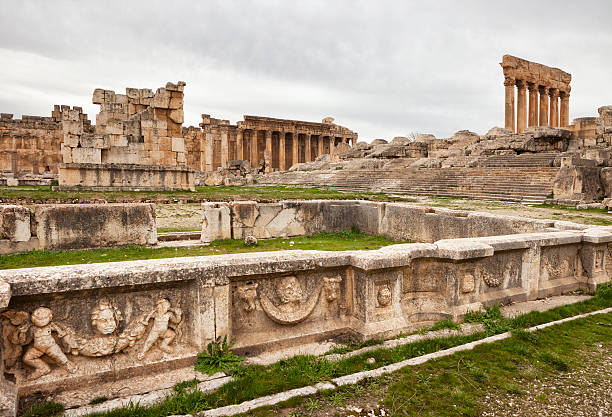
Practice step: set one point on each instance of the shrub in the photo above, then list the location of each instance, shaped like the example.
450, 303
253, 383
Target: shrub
218, 357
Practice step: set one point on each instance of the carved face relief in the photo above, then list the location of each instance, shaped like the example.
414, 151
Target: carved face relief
247, 294
41, 316
384, 296
331, 286
289, 290
104, 317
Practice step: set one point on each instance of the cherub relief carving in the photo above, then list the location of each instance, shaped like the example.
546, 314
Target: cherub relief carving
165, 325
45, 345
45, 338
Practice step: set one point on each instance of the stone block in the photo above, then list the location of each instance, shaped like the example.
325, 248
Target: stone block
161, 99
178, 144
15, 223
70, 140
216, 222
66, 153
98, 96
87, 155
74, 226
72, 126
177, 116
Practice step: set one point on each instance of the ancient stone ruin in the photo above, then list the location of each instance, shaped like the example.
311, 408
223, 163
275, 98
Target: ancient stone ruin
139, 142
551, 85
76, 333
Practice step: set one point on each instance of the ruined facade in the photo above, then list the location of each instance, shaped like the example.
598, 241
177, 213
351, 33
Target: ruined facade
139, 142
550, 87
31, 145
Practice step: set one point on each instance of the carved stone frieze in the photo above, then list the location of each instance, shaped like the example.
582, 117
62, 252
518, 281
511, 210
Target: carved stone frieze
331, 287
44, 340
294, 305
384, 296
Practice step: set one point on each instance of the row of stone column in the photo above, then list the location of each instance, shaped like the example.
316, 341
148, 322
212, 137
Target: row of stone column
547, 106
248, 147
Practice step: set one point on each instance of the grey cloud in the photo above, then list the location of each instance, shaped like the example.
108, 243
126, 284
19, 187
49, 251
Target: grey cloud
383, 68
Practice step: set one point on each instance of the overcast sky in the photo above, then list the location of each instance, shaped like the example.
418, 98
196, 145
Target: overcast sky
381, 68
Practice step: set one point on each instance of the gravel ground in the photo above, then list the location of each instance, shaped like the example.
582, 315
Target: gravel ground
586, 391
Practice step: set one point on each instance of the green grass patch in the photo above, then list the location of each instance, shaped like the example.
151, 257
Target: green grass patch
176, 229
38, 194
44, 409
344, 240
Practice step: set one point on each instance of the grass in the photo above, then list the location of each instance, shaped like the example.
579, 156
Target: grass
41, 193
344, 240
44, 409
176, 229
482, 367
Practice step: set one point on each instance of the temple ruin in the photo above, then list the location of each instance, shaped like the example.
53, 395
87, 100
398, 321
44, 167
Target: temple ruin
548, 85
139, 142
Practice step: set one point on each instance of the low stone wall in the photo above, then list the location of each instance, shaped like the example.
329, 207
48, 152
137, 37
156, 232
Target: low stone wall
399, 221
76, 226
137, 320
114, 177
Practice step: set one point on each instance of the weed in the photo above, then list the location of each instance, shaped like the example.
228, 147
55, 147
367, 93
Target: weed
44, 409
218, 358
98, 400
445, 324
554, 360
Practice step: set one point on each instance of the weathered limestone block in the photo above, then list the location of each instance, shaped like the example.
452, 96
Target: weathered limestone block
244, 214
87, 155
578, 183
216, 222
15, 223
178, 144
75, 226
606, 180
161, 99
177, 116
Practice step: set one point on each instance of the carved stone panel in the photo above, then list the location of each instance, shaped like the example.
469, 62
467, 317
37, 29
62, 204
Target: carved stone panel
80, 336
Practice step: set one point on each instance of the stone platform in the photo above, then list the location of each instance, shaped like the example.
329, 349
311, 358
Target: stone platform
113, 320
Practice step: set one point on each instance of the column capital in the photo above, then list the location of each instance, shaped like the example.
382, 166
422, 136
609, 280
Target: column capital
543, 89
564, 95
520, 83
532, 86
509, 81
553, 92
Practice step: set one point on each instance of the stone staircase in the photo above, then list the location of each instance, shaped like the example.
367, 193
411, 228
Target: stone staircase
526, 179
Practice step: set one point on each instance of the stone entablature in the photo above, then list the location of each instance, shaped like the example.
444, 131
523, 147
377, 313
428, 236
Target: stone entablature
551, 85
67, 328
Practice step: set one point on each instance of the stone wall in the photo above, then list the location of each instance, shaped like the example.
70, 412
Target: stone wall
399, 221
76, 226
31, 145
116, 324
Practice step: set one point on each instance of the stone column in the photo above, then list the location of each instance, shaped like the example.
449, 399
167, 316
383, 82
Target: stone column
282, 164
521, 120
533, 105
295, 148
353, 140
254, 150
320, 143
209, 150
308, 145
564, 113
224, 147
268, 152
239, 152
554, 107
543, 106
509, 108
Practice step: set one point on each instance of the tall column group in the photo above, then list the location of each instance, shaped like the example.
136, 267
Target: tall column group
553, 105
280, 149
